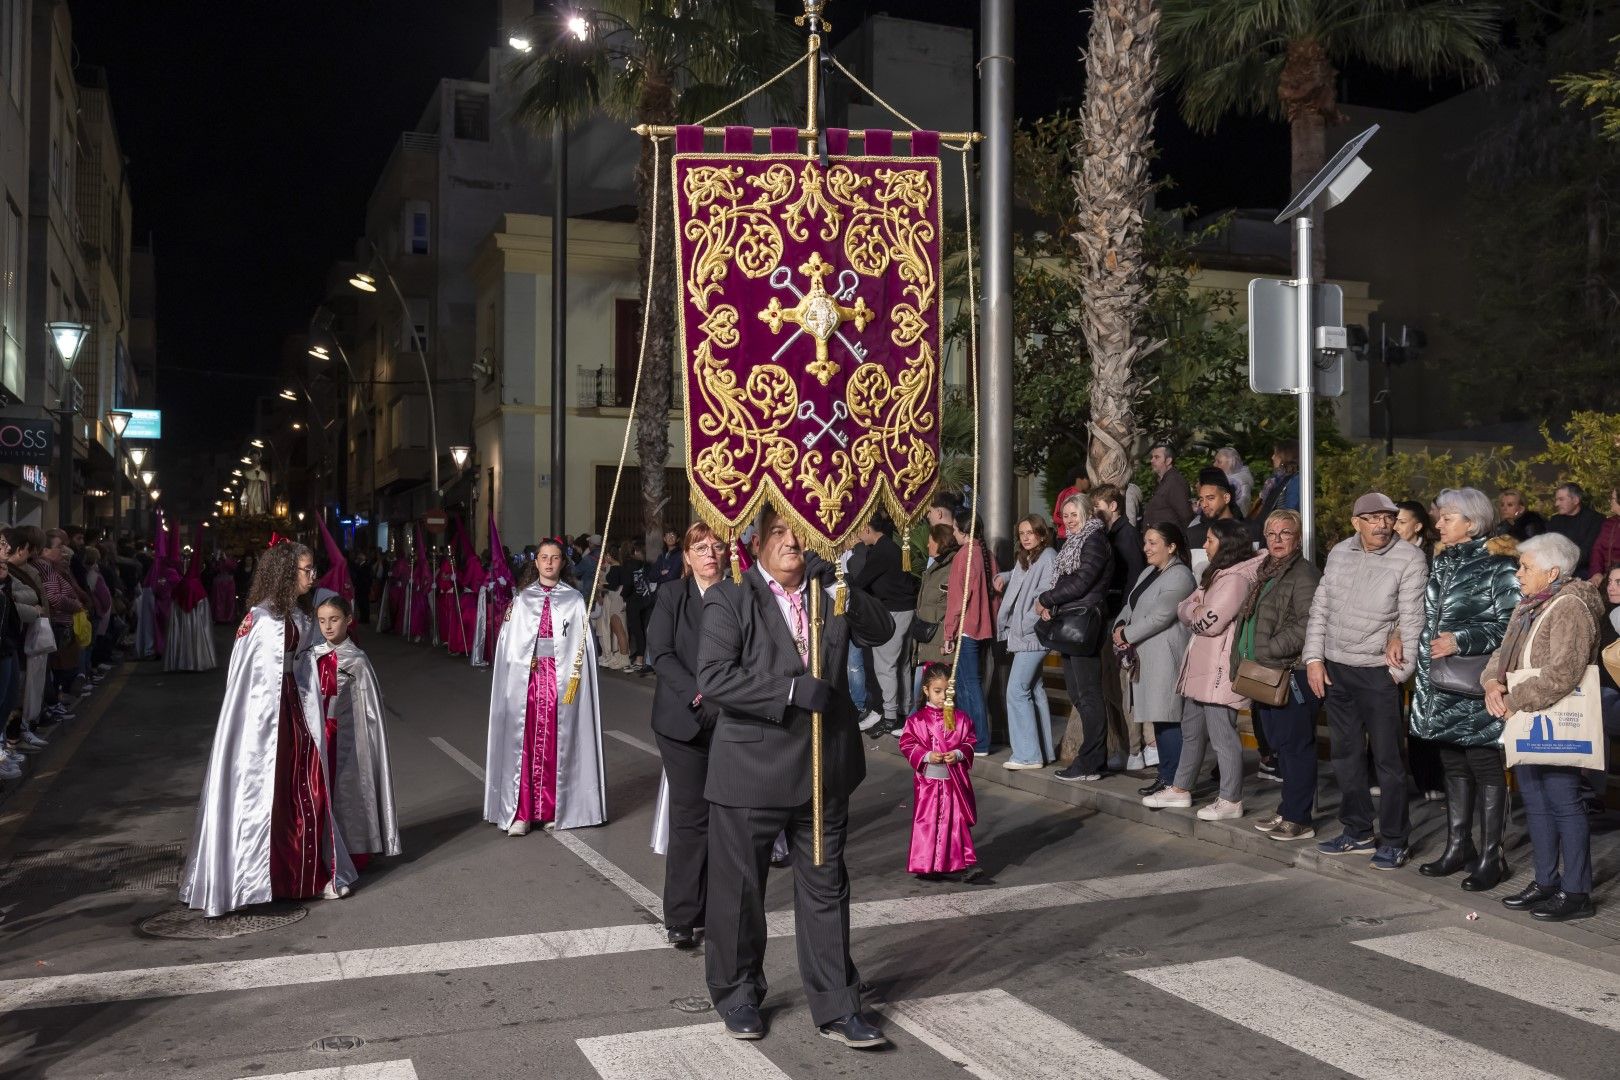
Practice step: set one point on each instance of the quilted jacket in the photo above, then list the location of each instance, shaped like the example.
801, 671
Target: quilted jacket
1364, 598
1471, 594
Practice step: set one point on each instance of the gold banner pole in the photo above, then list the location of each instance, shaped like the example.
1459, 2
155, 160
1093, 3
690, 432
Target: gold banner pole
815, 725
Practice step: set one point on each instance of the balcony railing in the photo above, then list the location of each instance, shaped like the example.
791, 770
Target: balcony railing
598, 389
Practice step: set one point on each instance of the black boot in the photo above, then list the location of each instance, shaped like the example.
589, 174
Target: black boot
1492, 868
1459, 851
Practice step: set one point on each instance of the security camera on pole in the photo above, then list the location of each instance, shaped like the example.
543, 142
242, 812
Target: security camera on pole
1294, 323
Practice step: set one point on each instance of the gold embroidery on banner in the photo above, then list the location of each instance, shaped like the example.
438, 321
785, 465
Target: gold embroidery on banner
818, 313
737, 222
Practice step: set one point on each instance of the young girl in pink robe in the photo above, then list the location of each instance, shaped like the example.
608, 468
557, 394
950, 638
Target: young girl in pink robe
941, 840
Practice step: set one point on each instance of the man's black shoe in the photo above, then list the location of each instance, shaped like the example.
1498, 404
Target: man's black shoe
1528, 897
882, 728
682, 937
1153, 788
1563, 906
853, 1030
744, 1022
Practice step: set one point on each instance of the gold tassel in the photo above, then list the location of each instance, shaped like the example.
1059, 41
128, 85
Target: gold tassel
572, 690
905, 556
736, 571
840, 592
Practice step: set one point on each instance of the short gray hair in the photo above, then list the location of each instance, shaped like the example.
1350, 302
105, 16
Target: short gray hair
1083, 501
1469, 503
1230, 454
1552, 551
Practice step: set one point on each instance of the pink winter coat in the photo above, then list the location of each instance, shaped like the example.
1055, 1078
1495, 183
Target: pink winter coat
1211, 615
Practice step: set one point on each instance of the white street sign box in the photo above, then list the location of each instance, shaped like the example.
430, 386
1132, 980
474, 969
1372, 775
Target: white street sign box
1273, 338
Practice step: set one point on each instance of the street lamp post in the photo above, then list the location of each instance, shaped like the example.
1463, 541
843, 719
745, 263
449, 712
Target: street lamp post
118, 420
366, 283
68, 337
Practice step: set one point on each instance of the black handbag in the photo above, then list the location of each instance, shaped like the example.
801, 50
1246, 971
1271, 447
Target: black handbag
1073, 631
1460, 675
922, 631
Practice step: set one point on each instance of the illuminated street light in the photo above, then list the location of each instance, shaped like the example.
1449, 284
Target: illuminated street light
118, 420
319, 352
147, 476
258, 444
521, 43
137, 454
236, 472
459, 455
579, 27
364, 282
288, 395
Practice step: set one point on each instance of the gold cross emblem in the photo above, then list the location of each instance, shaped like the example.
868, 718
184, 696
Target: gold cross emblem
818, 312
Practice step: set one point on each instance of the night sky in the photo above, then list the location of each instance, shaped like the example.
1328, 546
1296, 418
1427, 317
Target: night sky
254, 142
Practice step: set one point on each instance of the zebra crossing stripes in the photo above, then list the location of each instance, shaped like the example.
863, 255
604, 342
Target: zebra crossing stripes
702, 1052
1349, 1035
379, 1070
1586, 993
995, 1036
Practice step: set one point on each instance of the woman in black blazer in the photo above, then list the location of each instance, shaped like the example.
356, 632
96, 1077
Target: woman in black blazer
682, 724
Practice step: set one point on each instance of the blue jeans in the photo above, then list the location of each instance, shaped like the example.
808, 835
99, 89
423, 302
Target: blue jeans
1029, 717
1168, 737
856, 674
1555, 816
970, 692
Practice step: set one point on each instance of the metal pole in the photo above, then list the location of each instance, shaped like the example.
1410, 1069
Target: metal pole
1305, 347
559, 325
118, 490
996, 481
65, 484
427, 377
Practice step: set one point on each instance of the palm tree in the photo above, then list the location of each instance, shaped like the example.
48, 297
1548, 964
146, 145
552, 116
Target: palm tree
649, 62
1111, 188
1282, 59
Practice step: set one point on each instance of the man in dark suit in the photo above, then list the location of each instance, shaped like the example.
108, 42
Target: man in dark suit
682, 722
753, 666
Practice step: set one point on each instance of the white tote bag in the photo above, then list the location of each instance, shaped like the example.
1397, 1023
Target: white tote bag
41, 639
1568, 732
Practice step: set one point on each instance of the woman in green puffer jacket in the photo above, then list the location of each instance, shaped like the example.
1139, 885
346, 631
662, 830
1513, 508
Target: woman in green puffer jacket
1471, 595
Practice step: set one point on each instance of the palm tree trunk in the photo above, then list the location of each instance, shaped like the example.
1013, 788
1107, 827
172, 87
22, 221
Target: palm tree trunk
652, 407
1111, 192
1309, 94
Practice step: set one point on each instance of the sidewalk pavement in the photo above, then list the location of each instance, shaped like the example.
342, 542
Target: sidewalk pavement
1116, 796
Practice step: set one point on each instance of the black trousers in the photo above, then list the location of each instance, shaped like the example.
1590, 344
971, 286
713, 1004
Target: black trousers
1483, 764
740, 839
686, 863
1364, 710
1082, 678
1291, 731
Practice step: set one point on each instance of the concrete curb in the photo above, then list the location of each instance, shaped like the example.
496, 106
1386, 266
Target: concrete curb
1117, 797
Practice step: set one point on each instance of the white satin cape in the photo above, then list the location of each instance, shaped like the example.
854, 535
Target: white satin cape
228, 860
363, 789
581, 785
145, 623
190, 644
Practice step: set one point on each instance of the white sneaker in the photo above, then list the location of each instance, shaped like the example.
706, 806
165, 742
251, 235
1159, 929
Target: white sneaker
871, 720
9, 768
1134, 762
1220, 810
519, 828
1150, 756
1375, 791
1011, 764
335, 891
1161, 800
28, 738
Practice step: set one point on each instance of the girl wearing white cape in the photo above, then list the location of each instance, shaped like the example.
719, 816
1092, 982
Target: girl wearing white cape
544, 758
356, 742
264, 826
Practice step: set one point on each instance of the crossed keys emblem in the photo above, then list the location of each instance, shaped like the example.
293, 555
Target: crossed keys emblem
820, 312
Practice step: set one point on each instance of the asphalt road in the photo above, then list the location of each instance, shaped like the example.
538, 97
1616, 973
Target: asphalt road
1097, 948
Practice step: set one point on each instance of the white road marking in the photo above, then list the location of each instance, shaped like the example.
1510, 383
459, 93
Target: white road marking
1586, 993
701, 1052
1347, 1034
380, 1070
995, 1036
620, 880
631, 740
626, 884
188, 979
459, 758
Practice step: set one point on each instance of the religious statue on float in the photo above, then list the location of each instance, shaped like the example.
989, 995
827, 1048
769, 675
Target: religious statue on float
255, 497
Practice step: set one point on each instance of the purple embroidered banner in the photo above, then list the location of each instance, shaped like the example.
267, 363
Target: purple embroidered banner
810, 318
